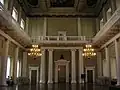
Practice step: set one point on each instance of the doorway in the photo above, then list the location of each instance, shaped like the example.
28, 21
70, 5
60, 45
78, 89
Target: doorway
90, 74
61, 73
33, 76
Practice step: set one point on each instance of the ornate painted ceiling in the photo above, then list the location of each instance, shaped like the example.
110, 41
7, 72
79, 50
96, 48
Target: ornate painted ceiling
83, 8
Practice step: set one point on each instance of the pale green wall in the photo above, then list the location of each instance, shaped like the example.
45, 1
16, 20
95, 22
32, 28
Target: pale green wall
88, 26
62, 24
54, 24
36, 26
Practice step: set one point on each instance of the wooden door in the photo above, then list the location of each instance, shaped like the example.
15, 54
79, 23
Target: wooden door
33, 76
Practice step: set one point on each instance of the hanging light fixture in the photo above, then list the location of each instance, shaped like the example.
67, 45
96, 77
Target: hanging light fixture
88, 51
34, 51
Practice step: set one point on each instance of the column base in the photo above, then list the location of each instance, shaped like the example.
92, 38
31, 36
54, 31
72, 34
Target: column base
73, 81
67, 81
118, 83
81, 82
50, 82
42, 82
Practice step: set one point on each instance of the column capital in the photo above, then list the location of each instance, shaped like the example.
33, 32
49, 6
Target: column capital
42, 49
50, 50
73, 50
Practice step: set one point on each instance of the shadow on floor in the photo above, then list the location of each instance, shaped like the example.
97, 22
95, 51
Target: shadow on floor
60, 86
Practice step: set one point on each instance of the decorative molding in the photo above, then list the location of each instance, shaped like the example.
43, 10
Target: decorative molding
30, 71
90, 68
62, 48
105, 30
10, 39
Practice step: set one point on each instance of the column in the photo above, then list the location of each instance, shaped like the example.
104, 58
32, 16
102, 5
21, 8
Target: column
73, 66
50, 66
99, 63
113, 5
6, 4
10, 5
81, 65
19, 15
79, 27
26, 25
117, 61
107, 62
45, 26
24, 68
104, 16
42, 67
56, 73
67, 72
97, 25
4, 63
15, 63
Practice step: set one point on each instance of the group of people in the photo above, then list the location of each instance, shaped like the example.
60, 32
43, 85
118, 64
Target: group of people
9, 81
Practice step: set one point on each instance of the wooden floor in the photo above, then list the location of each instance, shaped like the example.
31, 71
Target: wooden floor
60, 86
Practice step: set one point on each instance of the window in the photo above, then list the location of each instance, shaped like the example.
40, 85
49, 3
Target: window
18, 68
22, 24
109, 13
2, 1
15, 14
101, 23
8, 67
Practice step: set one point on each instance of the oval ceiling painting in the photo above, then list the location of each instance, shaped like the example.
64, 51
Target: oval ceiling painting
91, 2
33, 2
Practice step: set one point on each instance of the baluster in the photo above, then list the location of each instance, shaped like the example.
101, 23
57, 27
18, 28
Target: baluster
57, 38
84, 38
48, 38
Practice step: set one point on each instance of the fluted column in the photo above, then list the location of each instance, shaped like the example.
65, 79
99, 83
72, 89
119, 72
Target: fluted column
45, 26
97, 25
73, 67
67, 72
4, 63
117, 61
50, 66
56, 73
104, 16
113, 5
81, 65
10, 5
79, 27
99, 63
24, 67
107, 62
27, 25
15, 63
42, 67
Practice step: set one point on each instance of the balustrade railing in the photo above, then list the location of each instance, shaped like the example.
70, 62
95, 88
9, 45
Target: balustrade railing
107, 26
60, 38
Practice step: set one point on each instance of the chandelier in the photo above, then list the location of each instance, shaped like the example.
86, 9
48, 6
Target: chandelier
88, 51
34, 51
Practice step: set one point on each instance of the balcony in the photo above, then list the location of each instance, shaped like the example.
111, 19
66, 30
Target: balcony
109, 30
60, 39
11, 27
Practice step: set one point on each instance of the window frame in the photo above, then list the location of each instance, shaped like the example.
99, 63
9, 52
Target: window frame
22, 23
15, 14
2, 1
